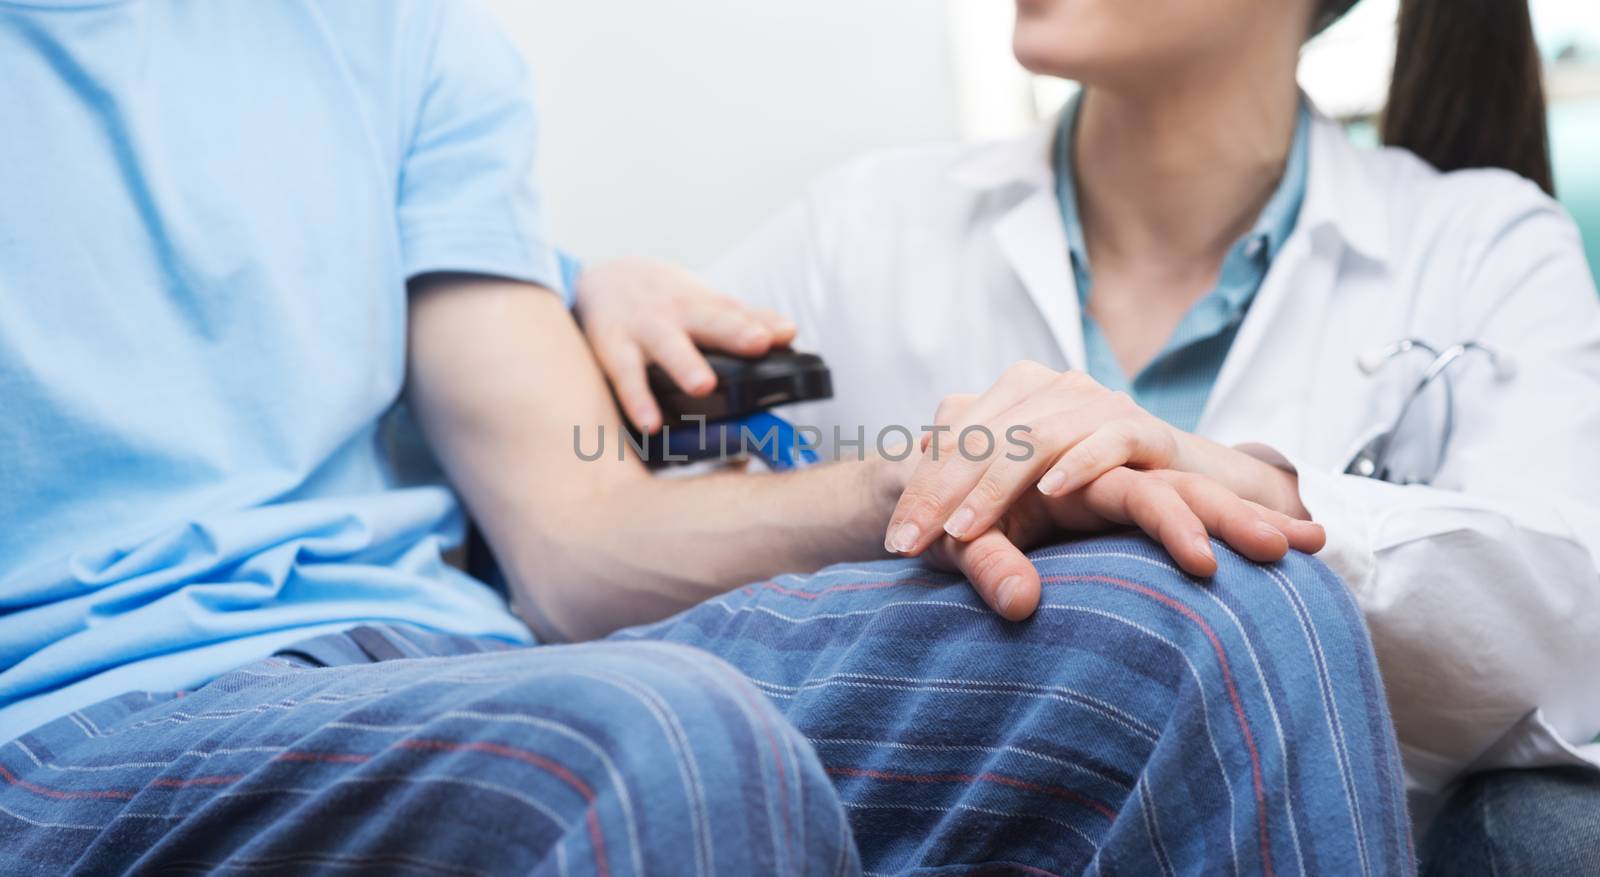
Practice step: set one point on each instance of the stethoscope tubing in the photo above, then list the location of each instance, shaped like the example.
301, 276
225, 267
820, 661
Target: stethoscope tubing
1373, 460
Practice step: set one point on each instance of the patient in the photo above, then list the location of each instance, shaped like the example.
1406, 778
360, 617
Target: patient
228, 640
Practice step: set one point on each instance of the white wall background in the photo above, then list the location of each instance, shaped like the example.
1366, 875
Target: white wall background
673, 127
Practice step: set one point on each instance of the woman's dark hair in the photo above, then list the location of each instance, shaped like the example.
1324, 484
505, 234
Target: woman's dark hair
1468, 89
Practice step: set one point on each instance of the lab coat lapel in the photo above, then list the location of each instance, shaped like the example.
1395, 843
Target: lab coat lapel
1029, 231
1033, 240
1272, 333
1343, 213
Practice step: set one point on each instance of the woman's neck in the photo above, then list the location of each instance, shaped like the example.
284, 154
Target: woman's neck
1175, 174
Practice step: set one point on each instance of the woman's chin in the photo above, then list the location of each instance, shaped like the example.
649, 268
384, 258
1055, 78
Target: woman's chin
1045, 60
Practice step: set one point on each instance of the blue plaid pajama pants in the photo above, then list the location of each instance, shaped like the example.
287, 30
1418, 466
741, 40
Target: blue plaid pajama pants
873, 718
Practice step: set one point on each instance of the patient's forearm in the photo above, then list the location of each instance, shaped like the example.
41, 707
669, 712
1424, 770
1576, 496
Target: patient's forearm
646, 550
500, 377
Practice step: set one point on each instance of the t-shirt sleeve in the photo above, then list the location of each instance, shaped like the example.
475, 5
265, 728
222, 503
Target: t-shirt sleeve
468, 201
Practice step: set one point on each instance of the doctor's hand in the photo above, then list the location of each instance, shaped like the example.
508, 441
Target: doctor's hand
1039, 432
1179, 510
639, 311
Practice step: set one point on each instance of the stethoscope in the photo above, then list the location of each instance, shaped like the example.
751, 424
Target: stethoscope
1376, 457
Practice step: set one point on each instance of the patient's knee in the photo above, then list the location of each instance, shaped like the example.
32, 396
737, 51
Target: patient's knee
1293, 613
1296, 595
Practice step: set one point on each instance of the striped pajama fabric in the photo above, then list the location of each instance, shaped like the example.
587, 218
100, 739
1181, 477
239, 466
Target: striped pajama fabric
872, 718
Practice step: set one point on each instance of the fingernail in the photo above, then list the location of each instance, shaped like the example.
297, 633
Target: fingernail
1051, 482
1203, 545
754, 338
702, 379
960, 522
787, 326
1268, 531
1007, 594
904, 538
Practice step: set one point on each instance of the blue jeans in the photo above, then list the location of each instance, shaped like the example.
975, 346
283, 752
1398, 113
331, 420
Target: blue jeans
1508, 822
870, 719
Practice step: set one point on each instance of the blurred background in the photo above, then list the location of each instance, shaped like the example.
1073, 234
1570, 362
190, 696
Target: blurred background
673, 127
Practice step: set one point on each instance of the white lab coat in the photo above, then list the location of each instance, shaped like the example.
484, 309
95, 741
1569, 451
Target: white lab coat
926, 271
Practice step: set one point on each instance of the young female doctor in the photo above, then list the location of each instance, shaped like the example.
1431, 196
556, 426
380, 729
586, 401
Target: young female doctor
1203, 274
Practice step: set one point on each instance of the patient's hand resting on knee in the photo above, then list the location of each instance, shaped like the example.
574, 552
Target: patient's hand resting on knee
1078, 430
1180, 510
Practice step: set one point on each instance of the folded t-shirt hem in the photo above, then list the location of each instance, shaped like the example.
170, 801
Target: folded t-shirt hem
491, 253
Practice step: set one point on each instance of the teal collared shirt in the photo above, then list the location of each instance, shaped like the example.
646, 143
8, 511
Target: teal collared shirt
1177, 383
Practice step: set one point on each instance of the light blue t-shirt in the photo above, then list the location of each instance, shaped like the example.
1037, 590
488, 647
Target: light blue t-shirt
211, 212
1177, 383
